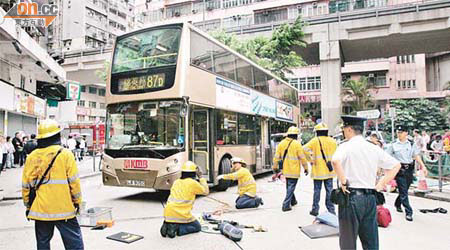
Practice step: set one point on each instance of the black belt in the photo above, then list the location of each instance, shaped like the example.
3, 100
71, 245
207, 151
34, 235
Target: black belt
407, 165
361, 191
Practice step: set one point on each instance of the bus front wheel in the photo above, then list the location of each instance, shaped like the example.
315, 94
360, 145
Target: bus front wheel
225, 168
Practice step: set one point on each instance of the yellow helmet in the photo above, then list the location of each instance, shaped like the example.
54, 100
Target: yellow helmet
320, 126
48, 128
293, 131
238, 160
189, 166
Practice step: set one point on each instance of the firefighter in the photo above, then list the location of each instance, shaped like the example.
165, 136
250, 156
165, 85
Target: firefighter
319, 151
178, 219
289, 158
246, 184
58, 199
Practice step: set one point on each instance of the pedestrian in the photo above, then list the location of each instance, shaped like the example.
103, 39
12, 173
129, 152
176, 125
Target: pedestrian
23, 154
11, 151
405, 153
58, 198
82, 147
3, 152
426, 140
18, 148
418, 140
246, 184
30, 145
178, 219
437, 145
77, 150
290, 158
356, 162
319, 152
72, 145
447, 142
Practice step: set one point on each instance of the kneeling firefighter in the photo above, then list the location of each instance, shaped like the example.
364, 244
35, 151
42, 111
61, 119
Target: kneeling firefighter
178, 219
246, 184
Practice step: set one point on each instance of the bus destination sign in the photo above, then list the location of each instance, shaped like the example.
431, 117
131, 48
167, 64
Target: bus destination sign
154, 81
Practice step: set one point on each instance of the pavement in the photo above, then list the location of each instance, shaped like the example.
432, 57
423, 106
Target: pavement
11, 179
140, 211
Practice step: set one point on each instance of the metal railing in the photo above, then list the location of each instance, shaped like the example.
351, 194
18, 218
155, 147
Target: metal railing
438, 165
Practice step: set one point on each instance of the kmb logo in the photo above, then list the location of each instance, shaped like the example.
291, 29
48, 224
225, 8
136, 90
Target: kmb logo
32, 13
135, 164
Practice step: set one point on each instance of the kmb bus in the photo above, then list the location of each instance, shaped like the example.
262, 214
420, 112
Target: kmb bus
176, 94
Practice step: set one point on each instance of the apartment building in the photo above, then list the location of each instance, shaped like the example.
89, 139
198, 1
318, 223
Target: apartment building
404, 76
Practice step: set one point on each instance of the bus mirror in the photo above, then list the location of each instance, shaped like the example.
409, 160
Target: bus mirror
184, 106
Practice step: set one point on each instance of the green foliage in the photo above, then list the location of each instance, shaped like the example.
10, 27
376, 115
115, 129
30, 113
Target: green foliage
275, 53
103, 73
307, 136
422, 114
357, 94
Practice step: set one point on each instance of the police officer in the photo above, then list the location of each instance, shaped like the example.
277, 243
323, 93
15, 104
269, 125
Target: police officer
246, 184
290, 157
356, 162
319, 151
59, 197
178, 219
405, 153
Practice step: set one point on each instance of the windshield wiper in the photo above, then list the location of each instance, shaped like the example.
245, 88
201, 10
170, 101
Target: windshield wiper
143, 146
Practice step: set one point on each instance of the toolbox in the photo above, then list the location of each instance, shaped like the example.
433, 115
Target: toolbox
90, 217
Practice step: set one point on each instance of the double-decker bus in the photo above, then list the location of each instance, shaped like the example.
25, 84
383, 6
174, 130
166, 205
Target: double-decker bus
176, 94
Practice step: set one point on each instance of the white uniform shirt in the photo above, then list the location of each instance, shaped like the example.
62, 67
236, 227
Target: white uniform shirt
82, 144
71, 144
360, 160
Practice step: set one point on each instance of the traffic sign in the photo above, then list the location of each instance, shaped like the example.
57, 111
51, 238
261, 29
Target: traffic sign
369, 114
392, 112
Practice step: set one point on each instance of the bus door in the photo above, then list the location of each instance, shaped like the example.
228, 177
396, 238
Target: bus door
266, 145
200, 135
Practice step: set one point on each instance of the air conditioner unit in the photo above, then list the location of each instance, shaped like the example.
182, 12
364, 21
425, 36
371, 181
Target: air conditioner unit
299, 8
209, 8
314, 5
177, 14
194, 11
371, 75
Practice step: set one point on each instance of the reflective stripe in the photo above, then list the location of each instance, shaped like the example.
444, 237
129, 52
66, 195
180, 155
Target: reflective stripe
179, 219
291, 175
180, 201
250, 194
55, 182
327, 176
292, 158
73, 178
51, 216
76, 196
247, 183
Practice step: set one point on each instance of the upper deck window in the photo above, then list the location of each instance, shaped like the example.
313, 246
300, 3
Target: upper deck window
149, 49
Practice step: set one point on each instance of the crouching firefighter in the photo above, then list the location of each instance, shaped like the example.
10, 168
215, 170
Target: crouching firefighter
178, 219
246, 184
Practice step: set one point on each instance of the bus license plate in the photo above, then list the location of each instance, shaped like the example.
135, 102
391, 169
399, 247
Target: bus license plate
136, 183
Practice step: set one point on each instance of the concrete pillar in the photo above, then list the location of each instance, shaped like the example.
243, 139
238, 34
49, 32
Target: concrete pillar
330, 73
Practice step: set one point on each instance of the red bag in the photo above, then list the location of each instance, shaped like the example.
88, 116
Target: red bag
383, 216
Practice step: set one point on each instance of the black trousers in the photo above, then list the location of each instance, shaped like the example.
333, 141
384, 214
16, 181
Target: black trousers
69, 229
404, 179
359, 218
3, 166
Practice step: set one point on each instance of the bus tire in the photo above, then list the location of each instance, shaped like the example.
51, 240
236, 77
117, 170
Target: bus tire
225, 168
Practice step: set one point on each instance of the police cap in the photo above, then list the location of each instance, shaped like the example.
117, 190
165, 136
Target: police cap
349, 120
401, 128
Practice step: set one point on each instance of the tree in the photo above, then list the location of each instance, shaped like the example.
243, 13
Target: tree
357, 94
103, 73
275, 53
422, 114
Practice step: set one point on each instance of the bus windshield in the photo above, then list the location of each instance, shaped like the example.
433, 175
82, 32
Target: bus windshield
150, 49
141, 125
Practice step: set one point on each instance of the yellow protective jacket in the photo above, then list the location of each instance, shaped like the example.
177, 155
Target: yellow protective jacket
312, 149
246, 182
447, 144
56, 197
295, 155
181, 200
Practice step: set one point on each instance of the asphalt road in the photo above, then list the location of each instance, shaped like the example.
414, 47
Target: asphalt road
140, 212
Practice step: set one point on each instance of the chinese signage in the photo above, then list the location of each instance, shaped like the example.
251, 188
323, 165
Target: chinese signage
28, 14
28, 104
155, 81
308, 98
285, 111
73, 91
232, 96
263, 105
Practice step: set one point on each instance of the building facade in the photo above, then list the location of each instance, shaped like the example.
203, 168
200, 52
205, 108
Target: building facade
404, 76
